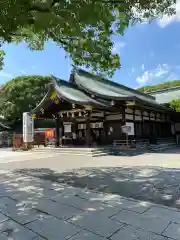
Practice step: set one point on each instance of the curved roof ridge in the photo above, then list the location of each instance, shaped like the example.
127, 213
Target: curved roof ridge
109, 82
69, 93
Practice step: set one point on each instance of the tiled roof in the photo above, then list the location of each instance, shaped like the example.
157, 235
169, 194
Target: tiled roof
166, 95
105, 88
84, 88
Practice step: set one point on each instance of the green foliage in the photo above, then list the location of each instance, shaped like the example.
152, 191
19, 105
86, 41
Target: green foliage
160, 86
22, 94
84, 29
1, 58
175, 104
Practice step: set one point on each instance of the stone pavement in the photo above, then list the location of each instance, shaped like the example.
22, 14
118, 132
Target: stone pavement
148, 177
35, 209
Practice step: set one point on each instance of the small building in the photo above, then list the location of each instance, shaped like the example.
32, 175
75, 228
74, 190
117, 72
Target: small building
89, 110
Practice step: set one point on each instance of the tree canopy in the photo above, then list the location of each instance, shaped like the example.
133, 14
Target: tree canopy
84, 28
174, 104
161, 86
21, 94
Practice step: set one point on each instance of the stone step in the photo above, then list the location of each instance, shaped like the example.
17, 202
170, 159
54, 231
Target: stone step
74, 151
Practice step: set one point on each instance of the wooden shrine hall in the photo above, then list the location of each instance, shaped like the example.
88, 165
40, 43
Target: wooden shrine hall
90, 111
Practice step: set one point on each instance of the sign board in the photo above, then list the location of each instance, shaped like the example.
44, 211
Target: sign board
128, 128
28, 128
67, 128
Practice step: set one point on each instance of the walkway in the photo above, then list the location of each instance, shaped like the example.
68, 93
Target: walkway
36, 209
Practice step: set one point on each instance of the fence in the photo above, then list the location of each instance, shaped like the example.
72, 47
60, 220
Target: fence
18, 143
142, 143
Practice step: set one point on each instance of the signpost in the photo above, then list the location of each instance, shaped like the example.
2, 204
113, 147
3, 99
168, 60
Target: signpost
28, 128
128, 129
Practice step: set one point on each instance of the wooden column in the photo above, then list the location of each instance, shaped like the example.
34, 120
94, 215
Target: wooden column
57, 131
105, 128
156, 125
142, 130
123, 120
74, 131
123, 116
61, 132
88, 130
134, 116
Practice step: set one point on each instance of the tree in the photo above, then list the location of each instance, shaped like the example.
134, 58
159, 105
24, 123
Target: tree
83, 28
175, 104
161, 86
21, 94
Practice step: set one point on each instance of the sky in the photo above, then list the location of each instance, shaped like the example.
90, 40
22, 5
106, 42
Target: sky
149, 53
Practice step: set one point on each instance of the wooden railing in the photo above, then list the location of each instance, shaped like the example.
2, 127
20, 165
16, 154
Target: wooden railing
142, 143
121, 143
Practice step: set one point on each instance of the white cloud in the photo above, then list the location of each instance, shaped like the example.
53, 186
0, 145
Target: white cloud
166, 20
148, 76
117, 46
5, 74
142, 67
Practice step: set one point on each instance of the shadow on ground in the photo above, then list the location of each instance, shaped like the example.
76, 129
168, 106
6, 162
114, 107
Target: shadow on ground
154, 184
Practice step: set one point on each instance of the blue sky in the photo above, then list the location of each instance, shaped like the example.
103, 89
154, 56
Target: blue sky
150, 54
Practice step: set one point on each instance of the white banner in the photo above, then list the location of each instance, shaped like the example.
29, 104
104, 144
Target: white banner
128, 128
28, 128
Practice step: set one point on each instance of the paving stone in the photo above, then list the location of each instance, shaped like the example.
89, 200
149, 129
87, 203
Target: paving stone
23, 214
123, 203
154, 224
24, 197
48, 193
3, 218
67, 190
13, 230
6, 202
131, 233
57, 209
171, 215
94, 196
53, 228
173, 231
83, 204
85, 235
96, 222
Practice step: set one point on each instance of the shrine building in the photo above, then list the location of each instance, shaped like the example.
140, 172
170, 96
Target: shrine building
89, 110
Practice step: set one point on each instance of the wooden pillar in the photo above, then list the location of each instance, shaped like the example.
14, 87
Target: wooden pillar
156, 125
134, 116
61, 132
142, 130
123, 116
57, 131
88, 130
105, 128
74, 132
123, 120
